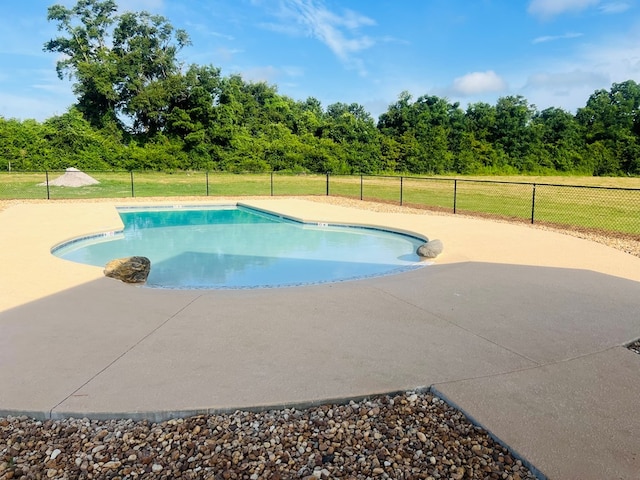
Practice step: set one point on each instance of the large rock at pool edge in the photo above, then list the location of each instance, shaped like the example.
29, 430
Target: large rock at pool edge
129, 269
431, 249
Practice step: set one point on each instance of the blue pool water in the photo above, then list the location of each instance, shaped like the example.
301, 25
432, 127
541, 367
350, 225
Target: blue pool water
237, 247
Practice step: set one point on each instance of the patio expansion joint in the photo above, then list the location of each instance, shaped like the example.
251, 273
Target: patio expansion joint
123, 354
462, 406
450, 322
561, 361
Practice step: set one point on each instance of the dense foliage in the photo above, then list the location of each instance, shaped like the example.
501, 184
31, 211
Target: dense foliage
139, 108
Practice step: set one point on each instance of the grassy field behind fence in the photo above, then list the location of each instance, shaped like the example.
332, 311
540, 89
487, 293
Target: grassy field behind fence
559, 200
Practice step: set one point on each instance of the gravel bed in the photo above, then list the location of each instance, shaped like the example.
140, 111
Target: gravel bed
406, 436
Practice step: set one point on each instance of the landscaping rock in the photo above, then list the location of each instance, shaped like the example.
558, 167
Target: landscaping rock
411, 436
431, 249
129, 269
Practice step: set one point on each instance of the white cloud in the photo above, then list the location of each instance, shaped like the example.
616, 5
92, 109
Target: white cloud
142, 5
206, 30
478, 83
286, 29
551, 8
393, 40
340, 33
127, 6
621, 61
292, 71
567, 80
615, 7
33, 93
325, 26
226, 54
553, 38
269, 73
23, 107
260, 74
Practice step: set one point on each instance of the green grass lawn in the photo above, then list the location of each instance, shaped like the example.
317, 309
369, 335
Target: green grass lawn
558, 200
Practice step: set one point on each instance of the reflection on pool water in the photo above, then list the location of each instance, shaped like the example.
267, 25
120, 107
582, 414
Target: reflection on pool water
239, 247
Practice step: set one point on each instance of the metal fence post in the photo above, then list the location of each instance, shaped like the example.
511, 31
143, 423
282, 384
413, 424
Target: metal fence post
207, 180
455, 194
533, 203
46, 173
361, 185
401, 188
272, 183
327, 184
132, 190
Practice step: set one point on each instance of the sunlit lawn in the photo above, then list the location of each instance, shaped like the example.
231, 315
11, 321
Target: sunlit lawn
562, 200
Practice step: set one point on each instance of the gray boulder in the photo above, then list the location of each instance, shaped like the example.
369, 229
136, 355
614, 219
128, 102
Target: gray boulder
129, 269
431, 249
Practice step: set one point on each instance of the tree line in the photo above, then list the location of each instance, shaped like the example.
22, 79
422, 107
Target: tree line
139, 108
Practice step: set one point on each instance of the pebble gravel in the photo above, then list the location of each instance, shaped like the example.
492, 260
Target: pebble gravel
404, 436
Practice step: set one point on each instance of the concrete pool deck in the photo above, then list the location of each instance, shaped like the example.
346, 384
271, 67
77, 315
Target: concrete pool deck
521, 328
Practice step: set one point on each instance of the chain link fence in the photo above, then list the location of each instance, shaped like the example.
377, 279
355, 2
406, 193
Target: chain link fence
592, 208
589, 208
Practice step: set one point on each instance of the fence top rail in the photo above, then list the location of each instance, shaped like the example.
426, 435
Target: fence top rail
449, 179
538, 184
469, 180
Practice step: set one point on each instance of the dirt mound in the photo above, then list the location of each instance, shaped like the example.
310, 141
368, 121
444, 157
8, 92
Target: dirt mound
72, 178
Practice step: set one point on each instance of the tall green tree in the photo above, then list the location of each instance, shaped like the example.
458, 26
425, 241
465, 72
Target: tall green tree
477, 152
114, 59
513, 132
562, 139
86, 57
307, 117
425, 131
22, 145
74, 143
396, 120
480, 120
612, 120
353, 128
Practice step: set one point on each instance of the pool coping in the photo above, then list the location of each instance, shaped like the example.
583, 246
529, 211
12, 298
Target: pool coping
548, 370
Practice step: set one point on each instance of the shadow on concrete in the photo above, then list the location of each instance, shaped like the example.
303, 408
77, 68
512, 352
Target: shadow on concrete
288, 345
491, 337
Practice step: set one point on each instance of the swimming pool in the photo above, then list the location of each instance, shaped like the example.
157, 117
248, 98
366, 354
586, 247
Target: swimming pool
232, 246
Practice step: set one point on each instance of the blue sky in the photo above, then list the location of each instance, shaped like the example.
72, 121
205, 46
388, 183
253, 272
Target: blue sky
552, 52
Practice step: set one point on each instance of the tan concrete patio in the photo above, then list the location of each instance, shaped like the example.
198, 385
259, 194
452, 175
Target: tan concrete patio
521, 328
